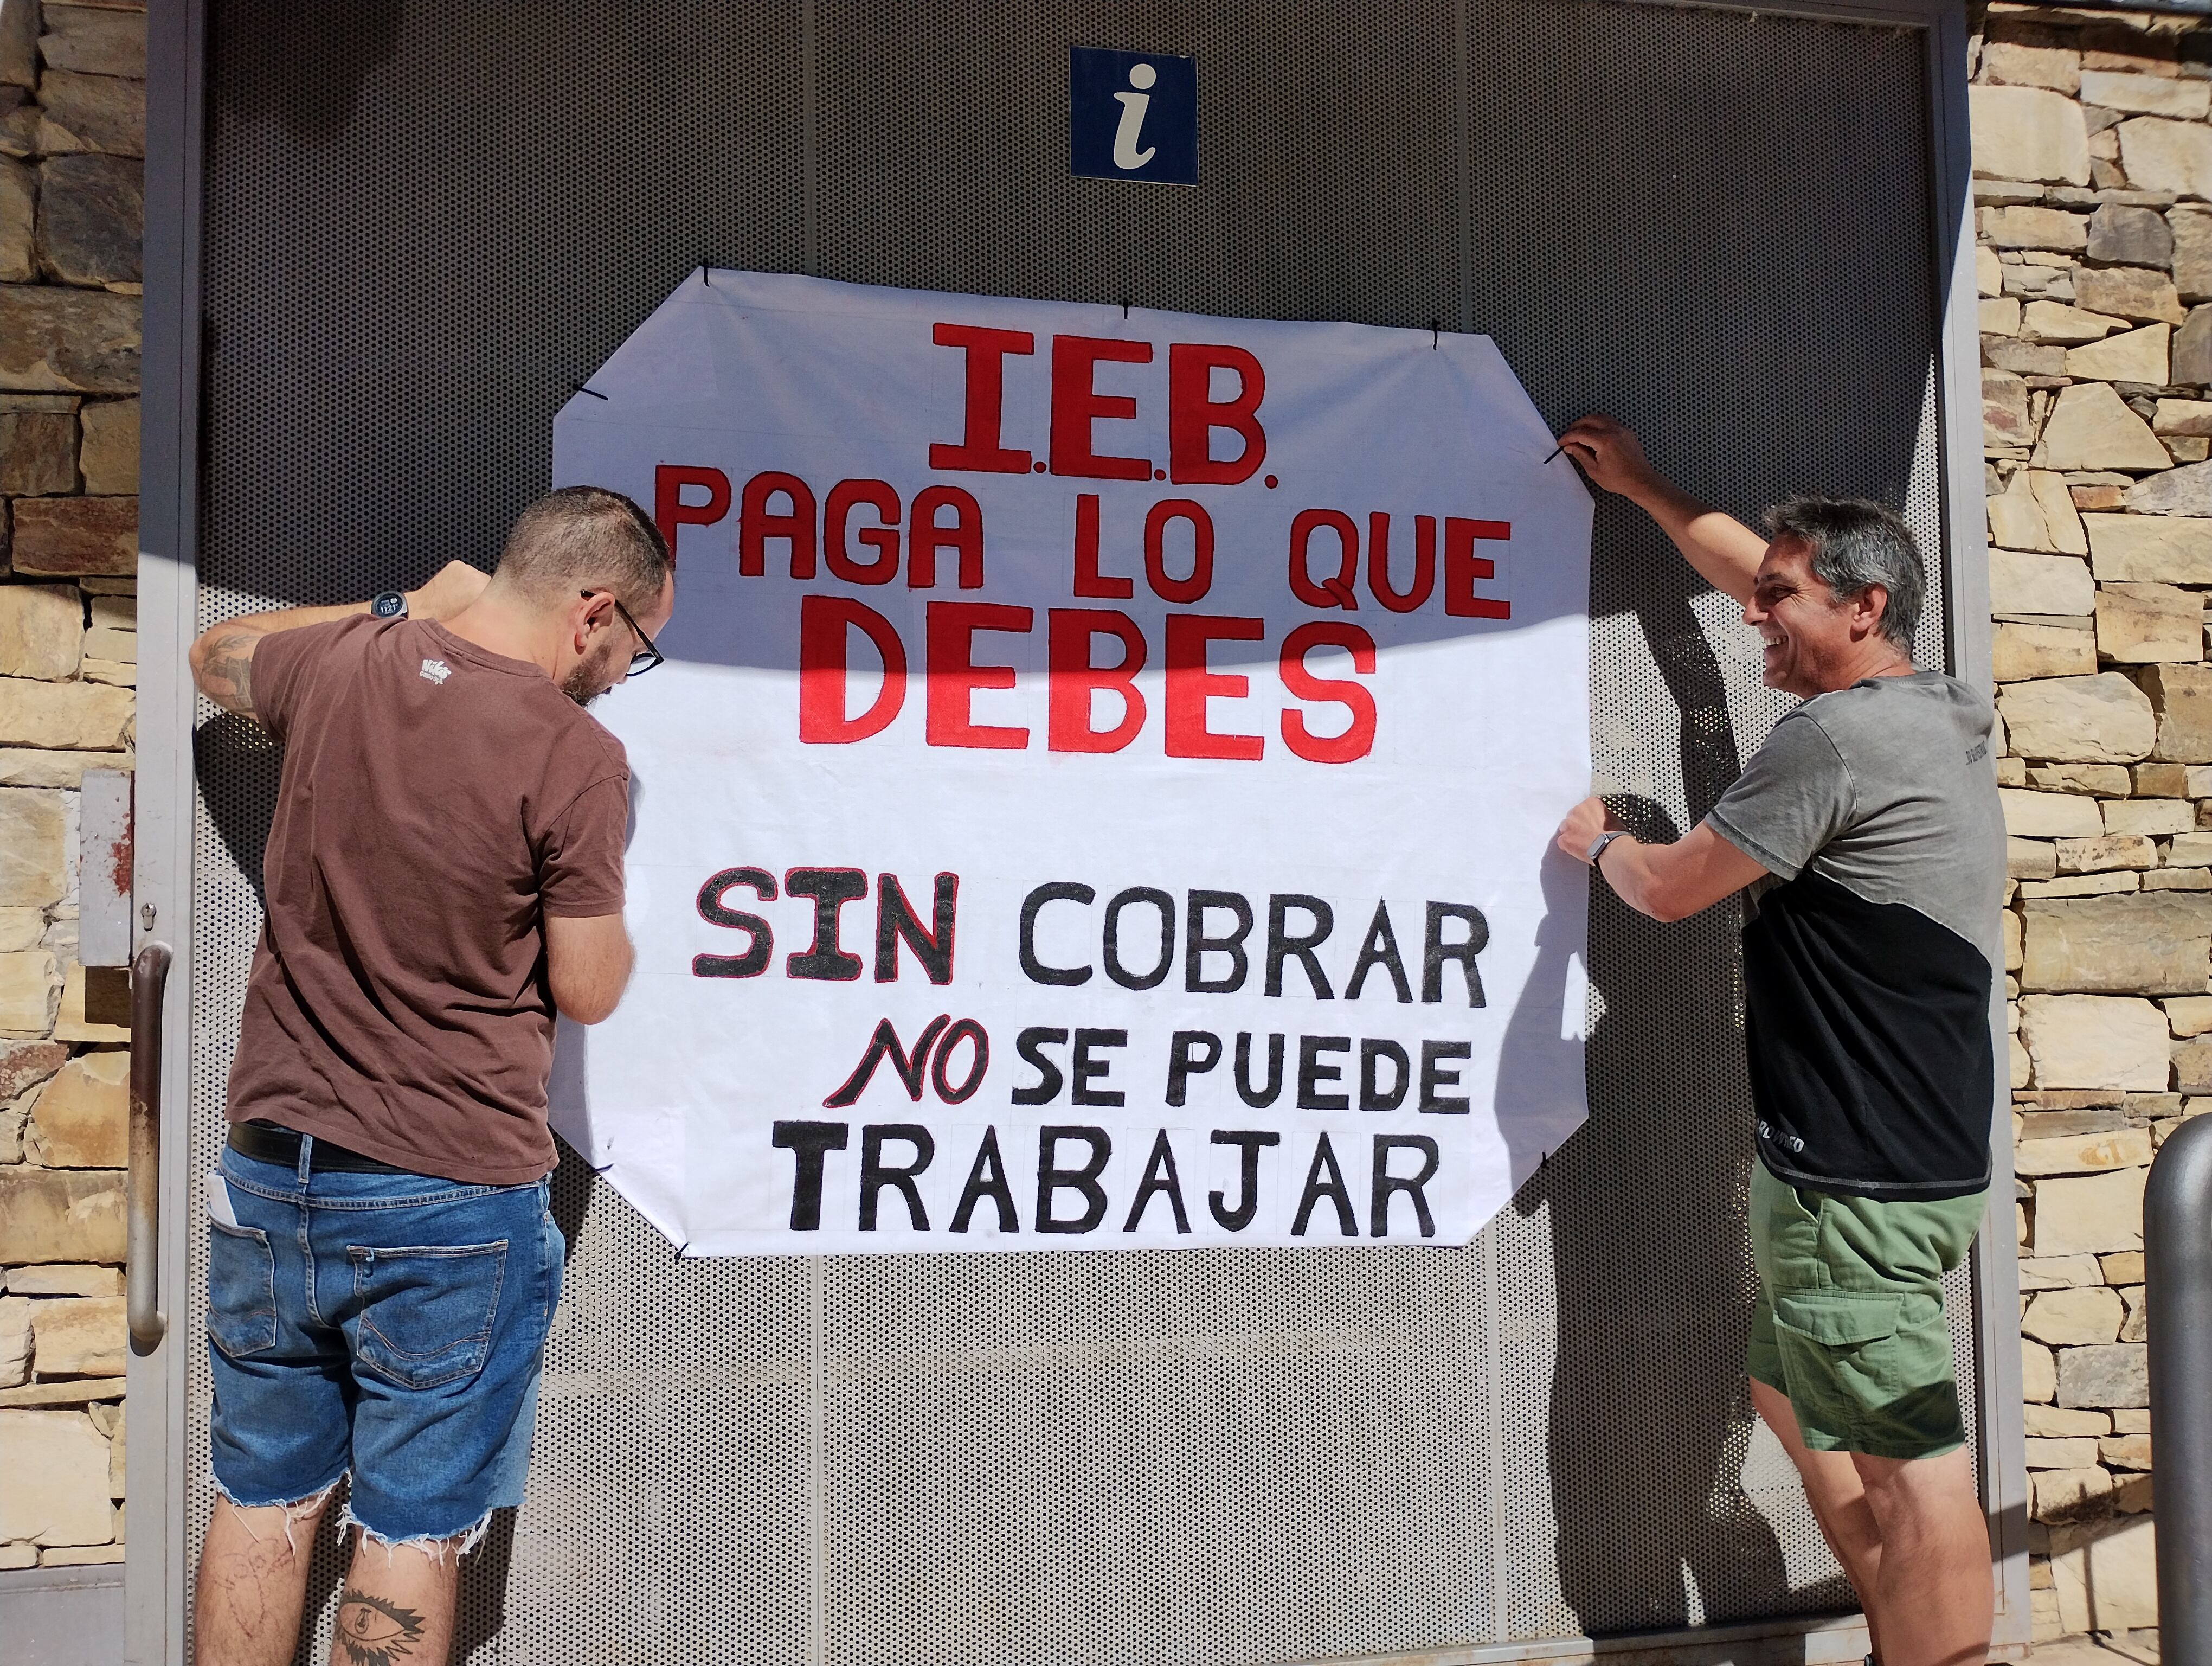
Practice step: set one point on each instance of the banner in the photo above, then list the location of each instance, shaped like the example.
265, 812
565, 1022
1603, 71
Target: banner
1101, 789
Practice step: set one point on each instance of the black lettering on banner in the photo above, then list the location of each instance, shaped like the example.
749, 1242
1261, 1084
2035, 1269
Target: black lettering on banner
1052, 1178
761, 936
1312, 1073
895, 923
1114, 970
1384, 1183
1325, 1180
1083, 1067
1234, 1218
1197, 945
1380, 949
807, 1141
1259, 1098
1046, 1088
1434, 1078
1372, 1094
987, 1178
1435, 950
965, 1029
1184, 1061
876, 1173
831, 888
1033, 968
1281, 946
885, 1044
1160, 1176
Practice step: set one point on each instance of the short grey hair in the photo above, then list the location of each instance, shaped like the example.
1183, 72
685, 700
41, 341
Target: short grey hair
1853, 544
584, 537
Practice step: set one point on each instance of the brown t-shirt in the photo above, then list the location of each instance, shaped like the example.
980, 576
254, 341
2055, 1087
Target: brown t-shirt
437, 801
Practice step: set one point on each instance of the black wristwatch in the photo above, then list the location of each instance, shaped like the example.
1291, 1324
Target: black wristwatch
1598, 845
391, 604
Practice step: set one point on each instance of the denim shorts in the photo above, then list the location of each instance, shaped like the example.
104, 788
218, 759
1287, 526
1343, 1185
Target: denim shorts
388, 1325
1848, 1323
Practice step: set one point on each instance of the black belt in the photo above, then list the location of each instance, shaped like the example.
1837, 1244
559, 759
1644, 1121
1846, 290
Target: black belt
267, 1143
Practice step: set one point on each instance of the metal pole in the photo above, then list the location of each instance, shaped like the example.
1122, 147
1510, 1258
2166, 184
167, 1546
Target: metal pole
2178, 1270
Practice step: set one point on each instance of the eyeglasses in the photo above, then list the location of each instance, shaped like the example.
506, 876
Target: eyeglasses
647, 657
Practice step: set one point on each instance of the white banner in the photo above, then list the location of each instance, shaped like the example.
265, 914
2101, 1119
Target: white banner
1101, 790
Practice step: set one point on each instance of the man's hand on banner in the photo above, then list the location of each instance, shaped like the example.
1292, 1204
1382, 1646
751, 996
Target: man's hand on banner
1609, 452
1667, 881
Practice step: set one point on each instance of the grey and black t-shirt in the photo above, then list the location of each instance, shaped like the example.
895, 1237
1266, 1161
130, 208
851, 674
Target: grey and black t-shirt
1869, 951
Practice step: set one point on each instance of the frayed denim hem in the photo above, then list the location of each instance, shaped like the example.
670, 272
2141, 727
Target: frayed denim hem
432, 1545
296, 1510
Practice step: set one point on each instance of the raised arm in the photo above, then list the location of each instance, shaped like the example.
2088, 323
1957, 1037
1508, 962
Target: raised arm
222, 656
1725, 551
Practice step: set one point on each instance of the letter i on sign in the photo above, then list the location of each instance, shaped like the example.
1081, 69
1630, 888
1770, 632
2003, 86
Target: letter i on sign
1131, 116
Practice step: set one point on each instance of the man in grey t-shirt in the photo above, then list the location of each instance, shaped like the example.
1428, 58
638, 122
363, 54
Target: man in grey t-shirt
1867, 840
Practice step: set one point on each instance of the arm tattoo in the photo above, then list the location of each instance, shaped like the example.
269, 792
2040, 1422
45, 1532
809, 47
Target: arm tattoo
372, 1632
228, 671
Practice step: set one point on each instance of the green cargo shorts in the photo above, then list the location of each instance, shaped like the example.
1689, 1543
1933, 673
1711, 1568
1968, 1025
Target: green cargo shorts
1850, 1322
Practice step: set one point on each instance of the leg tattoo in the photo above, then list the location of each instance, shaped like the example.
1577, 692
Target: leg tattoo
374, 1631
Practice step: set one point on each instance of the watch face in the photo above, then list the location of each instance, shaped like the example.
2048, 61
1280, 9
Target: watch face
390, 606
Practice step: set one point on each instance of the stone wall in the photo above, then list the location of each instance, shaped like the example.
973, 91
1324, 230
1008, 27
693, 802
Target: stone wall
2092, 164
72, 100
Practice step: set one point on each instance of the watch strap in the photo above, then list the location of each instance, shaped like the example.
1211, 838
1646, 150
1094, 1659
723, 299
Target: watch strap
1598, 844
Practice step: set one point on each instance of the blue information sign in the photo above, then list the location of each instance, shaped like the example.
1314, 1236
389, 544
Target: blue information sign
1131, 116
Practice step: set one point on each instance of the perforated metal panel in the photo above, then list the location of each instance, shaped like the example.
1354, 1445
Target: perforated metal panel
425, 223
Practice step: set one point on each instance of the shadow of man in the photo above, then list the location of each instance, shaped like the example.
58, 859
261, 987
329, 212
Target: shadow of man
1650, 1418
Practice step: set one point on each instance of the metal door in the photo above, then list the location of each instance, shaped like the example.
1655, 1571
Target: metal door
390, 239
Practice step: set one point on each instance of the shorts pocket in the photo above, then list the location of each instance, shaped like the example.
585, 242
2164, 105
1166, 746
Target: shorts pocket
241, 1289
426, 1311
1838, 1319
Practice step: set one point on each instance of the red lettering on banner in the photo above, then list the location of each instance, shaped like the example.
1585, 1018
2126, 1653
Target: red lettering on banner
1077, 404
756, 525
953, 676
1359, 740
1336, 590
1185, 590
1069, 632
882, 539
1190, 684
823, 663
1192, 415
1089, 581
979, 449
670, 512
1462, 567
1378, 563
924, 537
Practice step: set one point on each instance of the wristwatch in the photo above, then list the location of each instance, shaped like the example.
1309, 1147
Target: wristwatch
391, 604
1598, 845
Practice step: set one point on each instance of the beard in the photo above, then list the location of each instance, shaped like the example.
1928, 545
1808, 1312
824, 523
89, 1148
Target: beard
589, 679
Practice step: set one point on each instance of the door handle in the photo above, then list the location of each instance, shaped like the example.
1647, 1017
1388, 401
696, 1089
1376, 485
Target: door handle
150, 982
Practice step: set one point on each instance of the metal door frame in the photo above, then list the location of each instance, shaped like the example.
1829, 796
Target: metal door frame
157, 1589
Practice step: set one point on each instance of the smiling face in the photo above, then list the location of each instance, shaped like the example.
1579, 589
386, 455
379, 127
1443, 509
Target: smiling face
1814, 643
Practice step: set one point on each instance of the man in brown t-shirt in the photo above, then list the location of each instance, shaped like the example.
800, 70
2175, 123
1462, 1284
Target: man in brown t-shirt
443, 874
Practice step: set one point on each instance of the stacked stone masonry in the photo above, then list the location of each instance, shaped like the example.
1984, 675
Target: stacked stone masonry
2092, 203
72, 100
